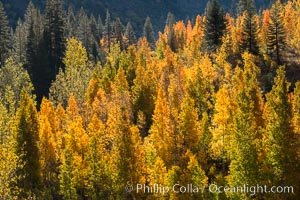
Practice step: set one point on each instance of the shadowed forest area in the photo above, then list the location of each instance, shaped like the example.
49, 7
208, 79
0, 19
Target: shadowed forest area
93, 109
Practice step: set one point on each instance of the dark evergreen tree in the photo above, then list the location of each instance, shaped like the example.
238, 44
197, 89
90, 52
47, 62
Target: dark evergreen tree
118, 32
148, 32
36, 51
19, 43
276, 32
50, 50
214, 25
84, 33
250, 27
100, 27
169, 26
71, 25
4, 35
130, 35
107, 31
246, 6
95, 38
55, 34
94, 28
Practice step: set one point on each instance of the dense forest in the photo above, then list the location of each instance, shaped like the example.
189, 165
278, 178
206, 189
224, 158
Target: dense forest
134, 10
89, 110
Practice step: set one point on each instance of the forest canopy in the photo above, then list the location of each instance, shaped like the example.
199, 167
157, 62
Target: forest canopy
90, 110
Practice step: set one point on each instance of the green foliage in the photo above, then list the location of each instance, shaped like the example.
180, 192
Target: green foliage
148, 32
276, 32
26, 148
14, 78
282, 161
4, 35
215, 25
75, 78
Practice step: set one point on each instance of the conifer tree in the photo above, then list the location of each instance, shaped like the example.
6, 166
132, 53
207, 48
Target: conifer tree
55, 35
130, 36
214, 25
4, 35
70, 23
108, 30
276, 33
19, 45
170, 30
148, 32
83, 31
249, 37
118, 32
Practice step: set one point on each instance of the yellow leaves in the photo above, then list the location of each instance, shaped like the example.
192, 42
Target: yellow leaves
76, 55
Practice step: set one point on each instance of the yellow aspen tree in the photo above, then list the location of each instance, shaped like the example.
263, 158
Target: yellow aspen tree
280, 139
76, 76
9, 160
48, 144
161, 131
27, 127
74, 172
264, 29
296, 108
246, 129
289, 20
97, 158
180, 36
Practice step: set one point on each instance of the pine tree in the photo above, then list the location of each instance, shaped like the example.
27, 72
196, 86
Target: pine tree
118, 32
4, 35
170, 30
108, 31
83, 31
246, 6
130, 37
249, 37
36, 54
27, 127
214, 25
70, 23
276, 32
148, 32
19, 45
54, 34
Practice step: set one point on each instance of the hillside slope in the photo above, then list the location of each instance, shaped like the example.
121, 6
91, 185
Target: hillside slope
132, 10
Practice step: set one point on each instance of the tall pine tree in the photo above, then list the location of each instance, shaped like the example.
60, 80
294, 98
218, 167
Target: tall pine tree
276, 33
4, 35
214, 25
